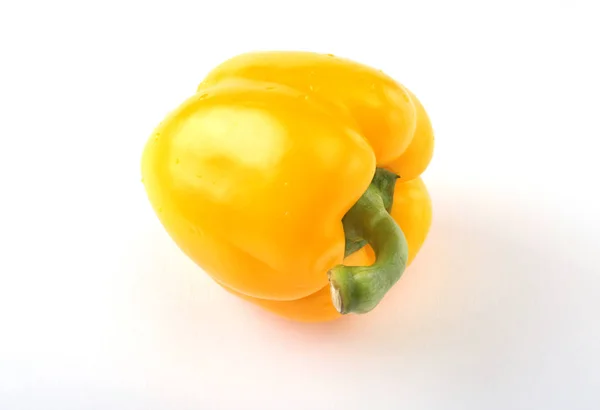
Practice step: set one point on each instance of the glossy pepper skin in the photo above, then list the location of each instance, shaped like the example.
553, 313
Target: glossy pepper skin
266, 175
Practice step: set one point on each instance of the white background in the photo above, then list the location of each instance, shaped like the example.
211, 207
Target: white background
100, 310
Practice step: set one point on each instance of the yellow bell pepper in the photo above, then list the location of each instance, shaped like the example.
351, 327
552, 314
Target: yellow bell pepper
293, 180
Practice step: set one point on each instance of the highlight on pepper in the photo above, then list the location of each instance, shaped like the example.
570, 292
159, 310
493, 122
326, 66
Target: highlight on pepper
293, 180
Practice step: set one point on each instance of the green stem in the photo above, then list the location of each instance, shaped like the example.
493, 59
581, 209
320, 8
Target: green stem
358, 289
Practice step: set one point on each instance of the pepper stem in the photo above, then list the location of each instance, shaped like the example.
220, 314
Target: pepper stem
359, 289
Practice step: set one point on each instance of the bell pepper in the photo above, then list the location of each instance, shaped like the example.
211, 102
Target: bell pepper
293, 179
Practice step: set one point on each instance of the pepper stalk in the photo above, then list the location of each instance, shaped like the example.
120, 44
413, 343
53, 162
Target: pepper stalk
359, 289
